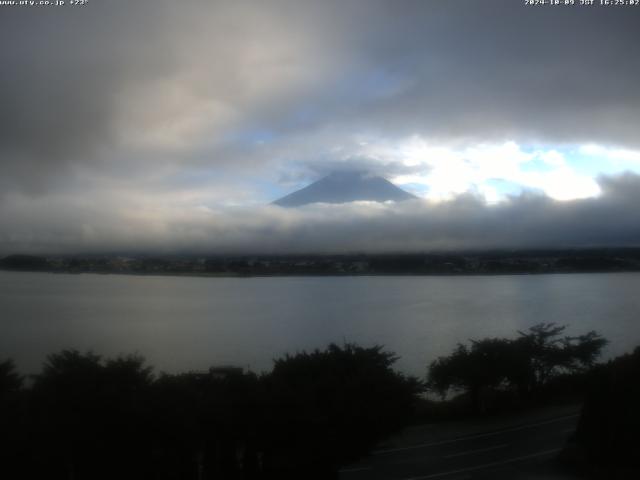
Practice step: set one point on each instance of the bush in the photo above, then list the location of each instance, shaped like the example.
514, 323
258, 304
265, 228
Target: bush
609, 428
331, 406
528, 365
86, 417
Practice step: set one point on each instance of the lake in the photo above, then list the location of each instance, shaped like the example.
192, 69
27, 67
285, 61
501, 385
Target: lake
190, 323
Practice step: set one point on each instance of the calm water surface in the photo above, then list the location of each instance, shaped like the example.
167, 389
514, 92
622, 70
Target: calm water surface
182, 323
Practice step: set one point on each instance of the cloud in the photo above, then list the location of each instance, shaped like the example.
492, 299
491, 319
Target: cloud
155, 83
140, 123
621, 155
140, 224
185, 84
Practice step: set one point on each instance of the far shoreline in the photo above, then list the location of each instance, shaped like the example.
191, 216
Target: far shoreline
500, 262
328, 275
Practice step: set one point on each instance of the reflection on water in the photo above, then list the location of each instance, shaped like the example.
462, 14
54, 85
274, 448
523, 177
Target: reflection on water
182, 323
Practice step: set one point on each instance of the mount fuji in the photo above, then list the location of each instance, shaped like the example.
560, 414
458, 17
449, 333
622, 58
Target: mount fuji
343, 187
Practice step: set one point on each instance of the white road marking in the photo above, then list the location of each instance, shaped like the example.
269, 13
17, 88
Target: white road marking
471, 437
487, 465
349, 470
479, 450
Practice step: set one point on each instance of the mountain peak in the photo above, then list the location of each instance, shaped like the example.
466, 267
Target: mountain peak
346, 186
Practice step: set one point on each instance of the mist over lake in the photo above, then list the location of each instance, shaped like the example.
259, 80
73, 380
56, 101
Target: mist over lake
190, 323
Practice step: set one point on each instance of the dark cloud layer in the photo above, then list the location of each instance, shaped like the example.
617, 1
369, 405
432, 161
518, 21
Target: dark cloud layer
525, 221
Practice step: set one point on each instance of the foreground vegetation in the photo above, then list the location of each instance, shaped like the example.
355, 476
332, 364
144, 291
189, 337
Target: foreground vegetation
87, 417
606, 443
539, 364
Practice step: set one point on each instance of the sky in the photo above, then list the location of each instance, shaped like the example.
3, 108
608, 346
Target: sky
170, 126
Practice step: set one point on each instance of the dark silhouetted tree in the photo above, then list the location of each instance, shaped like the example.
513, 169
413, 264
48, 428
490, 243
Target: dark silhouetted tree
90, 416
488, 363
608, 432
546, 354
10, 380
525, 364
65, 410
13, 440
207, 424
330, 406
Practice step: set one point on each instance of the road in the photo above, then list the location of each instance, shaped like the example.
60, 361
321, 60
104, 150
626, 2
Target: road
507, 448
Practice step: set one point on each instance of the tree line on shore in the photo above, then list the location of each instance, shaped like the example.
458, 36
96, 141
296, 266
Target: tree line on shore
442, 263
88, 417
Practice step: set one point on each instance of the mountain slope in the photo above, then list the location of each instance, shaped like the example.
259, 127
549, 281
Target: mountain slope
343, 187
